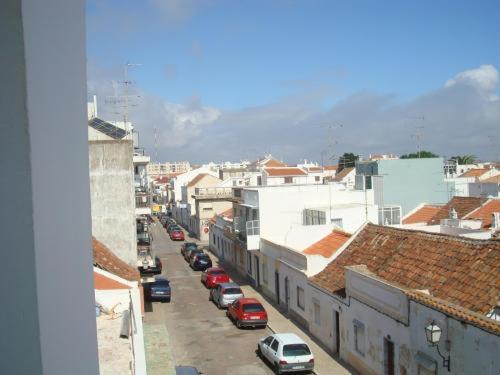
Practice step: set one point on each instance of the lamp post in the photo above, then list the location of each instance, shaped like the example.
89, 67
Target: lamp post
433, 335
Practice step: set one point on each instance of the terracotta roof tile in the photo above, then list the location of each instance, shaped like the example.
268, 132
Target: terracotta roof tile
461, 271
197, 179
477, 172
315, 169
105, 259
343, 173
462, 205
422, 215
274, 163
455, 311
102, 282
328, 245
288, 171
485, 212
492, 180
331, 167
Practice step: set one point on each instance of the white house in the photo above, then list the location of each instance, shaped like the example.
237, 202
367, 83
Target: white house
375, 303
346, 176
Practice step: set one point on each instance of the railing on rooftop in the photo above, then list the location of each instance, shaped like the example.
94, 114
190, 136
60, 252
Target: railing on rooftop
216, 192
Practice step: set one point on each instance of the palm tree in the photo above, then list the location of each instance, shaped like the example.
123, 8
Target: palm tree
464, 159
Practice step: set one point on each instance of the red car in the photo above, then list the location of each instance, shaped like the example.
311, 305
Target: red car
213, 276
177, 235
247, 312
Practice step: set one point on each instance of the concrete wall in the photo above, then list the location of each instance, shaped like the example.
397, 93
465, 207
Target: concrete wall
205, 210
47, 315
113, 197
409, 182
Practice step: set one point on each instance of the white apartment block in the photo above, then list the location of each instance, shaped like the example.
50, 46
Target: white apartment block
160, 169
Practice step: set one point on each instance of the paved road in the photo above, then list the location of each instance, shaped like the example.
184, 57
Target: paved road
199, 333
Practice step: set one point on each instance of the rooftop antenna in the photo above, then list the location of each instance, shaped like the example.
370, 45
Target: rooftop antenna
418, 134
123, 101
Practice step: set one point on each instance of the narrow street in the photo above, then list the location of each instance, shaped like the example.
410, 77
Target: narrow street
198, 333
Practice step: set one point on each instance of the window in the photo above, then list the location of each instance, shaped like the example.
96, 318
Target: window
313, 217
253, 228
317, 313
359, 337
264, 269
268, 340
249, 263
274, 345
337, 222
300, 298
389, 215
259, 180
288, 180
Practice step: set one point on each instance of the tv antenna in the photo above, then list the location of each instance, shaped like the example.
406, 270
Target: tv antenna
123, 101
417, 135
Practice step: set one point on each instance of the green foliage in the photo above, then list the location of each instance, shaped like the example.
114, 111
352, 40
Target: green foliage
464, 159
419, 155
347, 160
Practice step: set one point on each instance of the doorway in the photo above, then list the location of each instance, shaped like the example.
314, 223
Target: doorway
287, 293
336, 320
389, 356
277, 286
257, 272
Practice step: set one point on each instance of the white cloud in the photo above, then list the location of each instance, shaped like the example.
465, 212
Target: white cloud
484, 78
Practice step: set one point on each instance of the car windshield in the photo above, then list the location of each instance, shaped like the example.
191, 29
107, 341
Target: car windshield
162, 283
191, 246
217, 272
293, 350
252, 307
232, 291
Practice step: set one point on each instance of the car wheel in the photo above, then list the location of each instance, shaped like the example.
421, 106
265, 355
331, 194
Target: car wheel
219, 305
259, 352
238, 324
277, 369
168, 299
210, 296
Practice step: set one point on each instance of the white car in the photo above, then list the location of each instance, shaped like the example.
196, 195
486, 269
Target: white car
286, 352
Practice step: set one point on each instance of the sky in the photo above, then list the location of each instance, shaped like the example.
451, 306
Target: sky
233, 80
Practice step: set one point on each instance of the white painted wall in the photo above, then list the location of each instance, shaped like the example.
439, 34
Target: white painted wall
48, 318
183, 180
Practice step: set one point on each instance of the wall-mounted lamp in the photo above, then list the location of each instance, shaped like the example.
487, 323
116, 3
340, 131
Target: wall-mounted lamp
433, 335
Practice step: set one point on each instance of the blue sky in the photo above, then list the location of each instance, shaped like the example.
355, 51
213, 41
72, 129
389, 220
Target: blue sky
239, 55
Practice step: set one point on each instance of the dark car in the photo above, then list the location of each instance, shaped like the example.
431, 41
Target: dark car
193, 253
159, 290
155, 270
177, 235
188, 245
172, 227
187, 370
201, 262
188, 251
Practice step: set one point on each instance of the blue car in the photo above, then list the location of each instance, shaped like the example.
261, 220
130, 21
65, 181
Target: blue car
159, 290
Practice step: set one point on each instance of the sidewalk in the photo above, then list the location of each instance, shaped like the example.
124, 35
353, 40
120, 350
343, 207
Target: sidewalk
159, 359
325, 364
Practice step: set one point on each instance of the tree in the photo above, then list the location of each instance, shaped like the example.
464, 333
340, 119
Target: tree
347, 160
464, 159
419, 155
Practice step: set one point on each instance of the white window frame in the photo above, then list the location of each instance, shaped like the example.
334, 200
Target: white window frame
359, 337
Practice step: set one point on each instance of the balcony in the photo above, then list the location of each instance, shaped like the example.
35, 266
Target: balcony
213, 193
140, 157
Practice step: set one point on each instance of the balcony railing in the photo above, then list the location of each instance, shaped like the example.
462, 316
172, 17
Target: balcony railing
142, 200
215, 192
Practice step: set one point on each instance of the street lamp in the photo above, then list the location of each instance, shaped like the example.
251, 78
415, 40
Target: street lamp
433, 335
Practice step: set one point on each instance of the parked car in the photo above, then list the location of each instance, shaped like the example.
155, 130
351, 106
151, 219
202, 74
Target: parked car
159, 289
188, 251
213, 276
247, 312
201, 262
188, 245
177, 235
193, 253
286, 352
155, 270
187, 370
172, 226
225, 293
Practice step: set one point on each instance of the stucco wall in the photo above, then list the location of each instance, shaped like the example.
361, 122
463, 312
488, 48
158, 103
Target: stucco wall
113, 197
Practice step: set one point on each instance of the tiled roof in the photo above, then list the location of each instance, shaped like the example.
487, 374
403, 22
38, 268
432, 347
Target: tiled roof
315, 169
462, 205
287, 171
492, 180
422, 215
477, 172
462, 271
105, 259
455, 311
331, 167
328, 245
102, 282
162, 180
274, 163
197, 179
343, 173
485, 212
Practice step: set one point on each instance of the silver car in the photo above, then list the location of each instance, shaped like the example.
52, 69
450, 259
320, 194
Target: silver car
225, 293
